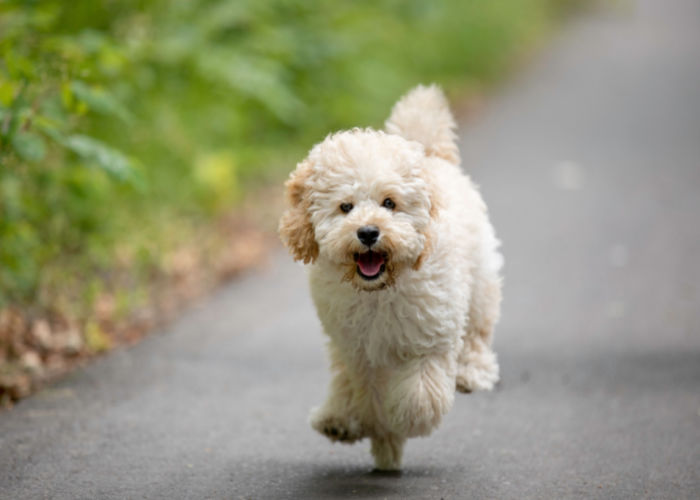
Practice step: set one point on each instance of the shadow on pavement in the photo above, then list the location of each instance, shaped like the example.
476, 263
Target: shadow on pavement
297, 479
360, 482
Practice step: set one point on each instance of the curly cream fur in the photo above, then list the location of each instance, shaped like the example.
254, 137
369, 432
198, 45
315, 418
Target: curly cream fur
402, 343
423, 115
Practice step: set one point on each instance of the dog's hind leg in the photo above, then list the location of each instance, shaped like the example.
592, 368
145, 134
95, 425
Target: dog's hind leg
387, 452
337, 418
478, 366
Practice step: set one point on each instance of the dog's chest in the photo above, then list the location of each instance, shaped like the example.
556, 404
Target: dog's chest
383, 328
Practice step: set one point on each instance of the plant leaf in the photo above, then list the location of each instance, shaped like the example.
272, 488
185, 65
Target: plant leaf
29, 146
99, 100
108, 159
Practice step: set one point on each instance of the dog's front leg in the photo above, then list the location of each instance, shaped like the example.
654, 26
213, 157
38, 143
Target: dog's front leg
419, 393
387, 451
338, 418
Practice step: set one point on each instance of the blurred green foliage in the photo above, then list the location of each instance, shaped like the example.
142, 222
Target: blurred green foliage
123, 122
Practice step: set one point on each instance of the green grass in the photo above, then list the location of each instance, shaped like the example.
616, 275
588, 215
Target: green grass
126, 124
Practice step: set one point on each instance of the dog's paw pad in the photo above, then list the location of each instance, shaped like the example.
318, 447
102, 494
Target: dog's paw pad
344, 430
462, 386
337, 433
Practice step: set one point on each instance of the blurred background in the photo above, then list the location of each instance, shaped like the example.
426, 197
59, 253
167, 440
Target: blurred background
138, 138
143, 146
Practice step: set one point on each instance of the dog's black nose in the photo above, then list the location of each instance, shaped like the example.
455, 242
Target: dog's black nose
368, 235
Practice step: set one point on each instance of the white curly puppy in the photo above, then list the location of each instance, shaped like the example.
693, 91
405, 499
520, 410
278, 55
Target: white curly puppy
405, 274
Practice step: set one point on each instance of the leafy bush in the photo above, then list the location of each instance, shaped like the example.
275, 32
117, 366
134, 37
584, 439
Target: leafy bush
125, 122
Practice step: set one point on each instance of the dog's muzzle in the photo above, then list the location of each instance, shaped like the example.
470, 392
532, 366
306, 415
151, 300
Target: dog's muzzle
370, 264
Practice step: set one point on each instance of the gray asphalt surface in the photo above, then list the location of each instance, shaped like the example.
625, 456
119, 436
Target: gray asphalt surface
590, 163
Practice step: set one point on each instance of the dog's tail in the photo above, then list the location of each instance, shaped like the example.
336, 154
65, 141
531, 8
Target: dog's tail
423, 115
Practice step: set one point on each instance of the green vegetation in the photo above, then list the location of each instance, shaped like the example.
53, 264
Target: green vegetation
126, 123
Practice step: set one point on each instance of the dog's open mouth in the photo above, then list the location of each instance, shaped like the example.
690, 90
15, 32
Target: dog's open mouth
370, 265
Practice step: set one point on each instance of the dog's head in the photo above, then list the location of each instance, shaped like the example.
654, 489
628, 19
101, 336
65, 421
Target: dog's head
362, 201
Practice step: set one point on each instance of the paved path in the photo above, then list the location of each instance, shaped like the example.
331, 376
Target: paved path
590, 163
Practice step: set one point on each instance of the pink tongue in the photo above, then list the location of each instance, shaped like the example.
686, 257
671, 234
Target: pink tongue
370, 263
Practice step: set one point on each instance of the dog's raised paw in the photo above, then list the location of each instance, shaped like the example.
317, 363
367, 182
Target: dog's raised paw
337, 433
341, 429
477, 376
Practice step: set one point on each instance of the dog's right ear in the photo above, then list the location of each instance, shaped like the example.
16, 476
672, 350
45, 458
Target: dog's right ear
295, 227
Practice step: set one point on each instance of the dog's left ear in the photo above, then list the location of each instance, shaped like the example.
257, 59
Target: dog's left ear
436, 203
295, 227
435, 207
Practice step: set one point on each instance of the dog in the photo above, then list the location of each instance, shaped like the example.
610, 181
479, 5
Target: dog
404, 275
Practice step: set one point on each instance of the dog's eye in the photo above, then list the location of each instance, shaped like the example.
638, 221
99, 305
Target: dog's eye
389, 203
345, 207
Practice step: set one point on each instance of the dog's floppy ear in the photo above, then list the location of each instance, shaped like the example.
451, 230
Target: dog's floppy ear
295, 227
427, 173
436, 203
435, 207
